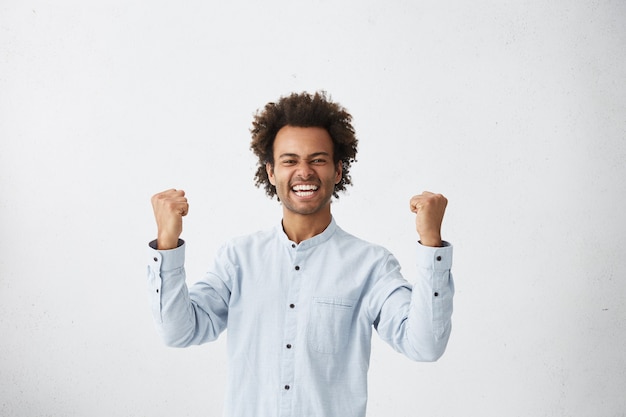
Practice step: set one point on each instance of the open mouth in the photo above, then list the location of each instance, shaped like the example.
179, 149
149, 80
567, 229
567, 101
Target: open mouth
306, 190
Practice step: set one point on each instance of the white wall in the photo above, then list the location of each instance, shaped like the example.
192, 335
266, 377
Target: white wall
514, 110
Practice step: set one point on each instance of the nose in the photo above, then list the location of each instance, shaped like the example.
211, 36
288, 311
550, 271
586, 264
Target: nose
304, 170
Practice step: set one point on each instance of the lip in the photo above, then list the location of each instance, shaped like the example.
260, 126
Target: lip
304, 195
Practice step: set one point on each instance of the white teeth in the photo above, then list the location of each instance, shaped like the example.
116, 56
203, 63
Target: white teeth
305, 188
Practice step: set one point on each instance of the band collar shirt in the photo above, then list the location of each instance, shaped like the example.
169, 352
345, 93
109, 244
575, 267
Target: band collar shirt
300, 316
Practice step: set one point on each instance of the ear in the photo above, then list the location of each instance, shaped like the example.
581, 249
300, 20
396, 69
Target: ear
269, 168
339, 172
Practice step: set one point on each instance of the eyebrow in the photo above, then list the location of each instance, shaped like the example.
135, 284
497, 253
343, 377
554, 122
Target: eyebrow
313, 155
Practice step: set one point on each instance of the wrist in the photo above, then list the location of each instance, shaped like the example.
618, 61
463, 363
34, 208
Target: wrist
432, 241
167, 242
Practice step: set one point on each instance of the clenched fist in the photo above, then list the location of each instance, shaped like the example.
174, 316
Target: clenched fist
169, 208
429, 209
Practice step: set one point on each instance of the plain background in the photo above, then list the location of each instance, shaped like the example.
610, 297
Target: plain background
516, 111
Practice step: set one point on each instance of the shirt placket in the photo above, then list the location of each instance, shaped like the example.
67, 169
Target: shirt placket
289, 346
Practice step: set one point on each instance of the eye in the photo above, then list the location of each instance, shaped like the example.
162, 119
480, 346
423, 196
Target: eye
318, 161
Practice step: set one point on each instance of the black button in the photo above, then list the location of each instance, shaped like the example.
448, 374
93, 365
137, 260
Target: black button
288, 346
436, 294
292, 306
156, 259
287, 387
293, 245
297, 268
157, 290
438, 258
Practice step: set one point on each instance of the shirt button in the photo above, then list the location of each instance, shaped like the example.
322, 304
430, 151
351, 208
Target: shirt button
287, 387
292, 306
155, 259
288, 346
293, 245
438, 258
436, 294
297, 268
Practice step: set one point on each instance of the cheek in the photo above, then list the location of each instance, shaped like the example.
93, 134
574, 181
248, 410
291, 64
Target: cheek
279, 179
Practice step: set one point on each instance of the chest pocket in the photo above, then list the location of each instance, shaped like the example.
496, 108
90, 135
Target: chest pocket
329, 323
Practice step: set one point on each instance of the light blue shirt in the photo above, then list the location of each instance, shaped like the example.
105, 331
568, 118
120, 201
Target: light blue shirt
300, 316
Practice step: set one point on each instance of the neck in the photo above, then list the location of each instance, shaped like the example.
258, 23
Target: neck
300, 227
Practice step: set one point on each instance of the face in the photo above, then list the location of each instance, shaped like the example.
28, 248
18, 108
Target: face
304, 173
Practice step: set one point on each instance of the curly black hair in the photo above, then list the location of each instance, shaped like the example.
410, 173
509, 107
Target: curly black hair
303, 110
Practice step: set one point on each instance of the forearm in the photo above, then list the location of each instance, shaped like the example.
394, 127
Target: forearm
431, 303
185, 316
169, 298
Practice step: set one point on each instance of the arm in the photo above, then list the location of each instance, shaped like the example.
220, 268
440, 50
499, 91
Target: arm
416, 321
182, 316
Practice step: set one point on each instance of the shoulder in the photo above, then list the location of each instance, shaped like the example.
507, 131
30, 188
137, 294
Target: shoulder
261, 236
360, 246
249, 243
370, 262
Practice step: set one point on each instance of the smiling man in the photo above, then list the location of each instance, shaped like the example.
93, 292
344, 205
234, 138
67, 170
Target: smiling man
304, 175
302, 299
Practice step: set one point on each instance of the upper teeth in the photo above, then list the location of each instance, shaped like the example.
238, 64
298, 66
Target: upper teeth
305, 187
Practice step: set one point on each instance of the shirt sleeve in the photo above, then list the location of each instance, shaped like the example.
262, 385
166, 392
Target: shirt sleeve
182, 316
416, 319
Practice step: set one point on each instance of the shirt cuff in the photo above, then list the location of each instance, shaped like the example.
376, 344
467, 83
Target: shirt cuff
438, 259
166, 260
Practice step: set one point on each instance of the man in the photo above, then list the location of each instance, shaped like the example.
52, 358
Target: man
300, 300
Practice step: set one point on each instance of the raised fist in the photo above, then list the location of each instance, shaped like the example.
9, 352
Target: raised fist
429, 209
169, 208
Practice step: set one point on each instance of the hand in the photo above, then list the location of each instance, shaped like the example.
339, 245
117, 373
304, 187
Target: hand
169, 208
429, 209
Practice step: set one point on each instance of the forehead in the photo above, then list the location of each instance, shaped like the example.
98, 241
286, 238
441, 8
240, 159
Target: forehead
302, 141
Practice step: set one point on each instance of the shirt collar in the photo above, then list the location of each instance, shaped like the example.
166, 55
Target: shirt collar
311, 242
